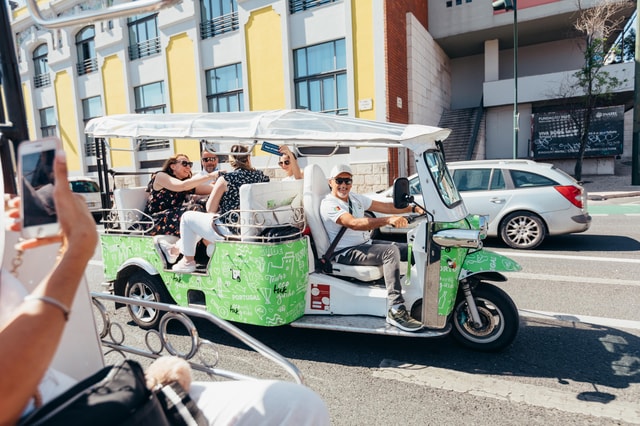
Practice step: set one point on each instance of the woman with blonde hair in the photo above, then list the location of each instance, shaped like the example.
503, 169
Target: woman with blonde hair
169, 192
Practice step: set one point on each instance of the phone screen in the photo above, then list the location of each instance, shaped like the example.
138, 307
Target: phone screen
37, 188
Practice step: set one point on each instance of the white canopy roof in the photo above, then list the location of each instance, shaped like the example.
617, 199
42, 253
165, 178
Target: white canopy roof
302, 128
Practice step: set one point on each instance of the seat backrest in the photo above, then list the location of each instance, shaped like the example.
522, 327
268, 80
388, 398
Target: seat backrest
316, 187
129, 203
270, 204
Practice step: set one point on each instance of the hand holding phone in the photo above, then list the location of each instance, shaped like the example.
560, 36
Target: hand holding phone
35, 165
271, 148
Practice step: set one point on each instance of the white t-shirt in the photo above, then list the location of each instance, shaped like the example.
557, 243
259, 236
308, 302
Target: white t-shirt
205, 173
331, 208
12, 293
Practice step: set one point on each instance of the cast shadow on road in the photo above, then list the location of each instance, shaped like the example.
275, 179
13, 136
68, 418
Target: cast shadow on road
577, 242
545, 348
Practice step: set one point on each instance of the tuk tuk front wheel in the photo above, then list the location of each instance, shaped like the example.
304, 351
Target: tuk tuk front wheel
499, 320
142, 286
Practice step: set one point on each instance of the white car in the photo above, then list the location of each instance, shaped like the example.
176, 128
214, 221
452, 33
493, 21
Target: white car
90, 191
525, 201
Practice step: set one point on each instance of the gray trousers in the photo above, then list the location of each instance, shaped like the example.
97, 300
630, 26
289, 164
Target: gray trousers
387, 253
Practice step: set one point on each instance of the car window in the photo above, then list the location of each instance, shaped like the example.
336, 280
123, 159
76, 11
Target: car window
497, 180
523, 179
84, 186
472, 179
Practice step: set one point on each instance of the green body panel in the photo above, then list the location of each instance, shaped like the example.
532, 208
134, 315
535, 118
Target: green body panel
261, 284
485, 261
451, 260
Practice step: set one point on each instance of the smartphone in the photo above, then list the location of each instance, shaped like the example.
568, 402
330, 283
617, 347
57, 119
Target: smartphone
35, 174
270, 148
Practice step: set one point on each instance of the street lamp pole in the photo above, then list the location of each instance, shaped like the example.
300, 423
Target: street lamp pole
512, 5
515, 79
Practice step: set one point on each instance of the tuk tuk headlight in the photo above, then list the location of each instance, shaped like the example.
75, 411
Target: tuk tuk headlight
467, 238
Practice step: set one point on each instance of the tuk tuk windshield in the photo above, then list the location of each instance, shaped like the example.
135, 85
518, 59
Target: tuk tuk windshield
442, 179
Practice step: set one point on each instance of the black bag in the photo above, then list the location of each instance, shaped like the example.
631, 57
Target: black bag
115, 395
178, 406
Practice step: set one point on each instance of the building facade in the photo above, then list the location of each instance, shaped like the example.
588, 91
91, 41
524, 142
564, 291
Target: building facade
213, 55
405, 61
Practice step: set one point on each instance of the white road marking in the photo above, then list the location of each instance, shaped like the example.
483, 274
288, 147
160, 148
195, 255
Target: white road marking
568, 257
603, 321
568, 279
505, 390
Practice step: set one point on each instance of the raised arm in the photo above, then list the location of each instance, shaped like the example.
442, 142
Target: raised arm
164, 180
28, 341
295, 167
213, 203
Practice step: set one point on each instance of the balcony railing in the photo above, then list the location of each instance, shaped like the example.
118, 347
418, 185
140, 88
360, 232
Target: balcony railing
42, 80
87, 66
144, 48
220, 25
302, 5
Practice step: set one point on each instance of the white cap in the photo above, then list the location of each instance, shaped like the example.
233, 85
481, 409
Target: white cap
341, 168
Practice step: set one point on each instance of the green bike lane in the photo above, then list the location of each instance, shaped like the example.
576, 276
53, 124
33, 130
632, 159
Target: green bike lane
614, 209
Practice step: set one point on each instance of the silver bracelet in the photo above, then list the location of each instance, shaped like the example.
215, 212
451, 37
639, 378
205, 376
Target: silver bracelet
51, 301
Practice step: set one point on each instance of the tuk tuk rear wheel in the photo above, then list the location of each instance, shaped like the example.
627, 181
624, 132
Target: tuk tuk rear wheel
150, 288
498, 314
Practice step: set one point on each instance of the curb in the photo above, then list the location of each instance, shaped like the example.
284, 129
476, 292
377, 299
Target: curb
601, 196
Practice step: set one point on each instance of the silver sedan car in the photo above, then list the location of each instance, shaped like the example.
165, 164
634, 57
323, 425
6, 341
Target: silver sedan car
525, 201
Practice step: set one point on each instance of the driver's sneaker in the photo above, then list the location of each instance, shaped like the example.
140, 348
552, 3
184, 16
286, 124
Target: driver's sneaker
184, 266
399, 317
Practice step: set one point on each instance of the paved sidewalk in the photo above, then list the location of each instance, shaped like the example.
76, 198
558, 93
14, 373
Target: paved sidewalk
603, 187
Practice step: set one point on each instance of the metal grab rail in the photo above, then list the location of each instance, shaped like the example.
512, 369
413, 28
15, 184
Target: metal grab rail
112, 336
112, 12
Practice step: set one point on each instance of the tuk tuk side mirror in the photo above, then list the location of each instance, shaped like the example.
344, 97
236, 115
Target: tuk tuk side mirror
401, 194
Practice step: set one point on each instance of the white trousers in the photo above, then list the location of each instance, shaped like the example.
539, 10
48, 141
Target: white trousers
193, 227
259, 402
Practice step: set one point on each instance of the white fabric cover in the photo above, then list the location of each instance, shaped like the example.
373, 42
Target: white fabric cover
268, 204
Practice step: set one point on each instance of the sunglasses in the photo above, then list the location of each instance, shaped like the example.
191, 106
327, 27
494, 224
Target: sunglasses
285, 162
209, 159
185, 163
346, 181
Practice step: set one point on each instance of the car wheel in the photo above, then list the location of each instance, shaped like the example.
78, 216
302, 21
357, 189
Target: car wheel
375, 234
522, 230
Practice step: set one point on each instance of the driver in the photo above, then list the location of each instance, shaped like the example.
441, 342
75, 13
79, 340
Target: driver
341, 208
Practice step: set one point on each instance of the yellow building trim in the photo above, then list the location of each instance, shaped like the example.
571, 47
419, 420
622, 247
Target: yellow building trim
31, 124
265, 69
67, 120
115, 102
181, 81
363, 55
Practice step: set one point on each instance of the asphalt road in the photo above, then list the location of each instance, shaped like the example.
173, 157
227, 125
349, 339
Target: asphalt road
576, 360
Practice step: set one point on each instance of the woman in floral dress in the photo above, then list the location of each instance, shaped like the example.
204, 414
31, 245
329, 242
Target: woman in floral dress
169, 194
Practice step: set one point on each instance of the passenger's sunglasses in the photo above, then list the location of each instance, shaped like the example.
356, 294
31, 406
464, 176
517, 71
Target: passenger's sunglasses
285, 162
346, 181
209, 159
185, 163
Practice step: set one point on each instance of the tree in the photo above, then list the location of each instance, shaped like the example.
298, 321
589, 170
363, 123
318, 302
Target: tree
592, 82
